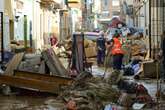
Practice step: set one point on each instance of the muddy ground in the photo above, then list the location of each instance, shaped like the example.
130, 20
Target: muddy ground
38, 101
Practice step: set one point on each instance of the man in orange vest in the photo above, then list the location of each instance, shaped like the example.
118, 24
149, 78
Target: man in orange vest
117, 52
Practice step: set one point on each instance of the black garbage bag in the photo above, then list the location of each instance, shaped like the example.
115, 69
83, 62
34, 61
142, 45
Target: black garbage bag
128, 71
127, 86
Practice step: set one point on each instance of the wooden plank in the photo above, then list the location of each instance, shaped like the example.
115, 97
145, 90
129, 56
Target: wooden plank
53, 63
13, 64
44, 77
30, 84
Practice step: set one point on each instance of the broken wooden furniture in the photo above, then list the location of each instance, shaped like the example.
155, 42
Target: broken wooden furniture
33, 80
79, 61
54, 63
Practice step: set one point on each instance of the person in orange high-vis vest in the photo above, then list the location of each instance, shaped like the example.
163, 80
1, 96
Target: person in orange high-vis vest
117, 52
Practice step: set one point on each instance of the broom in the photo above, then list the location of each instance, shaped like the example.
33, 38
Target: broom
106, 62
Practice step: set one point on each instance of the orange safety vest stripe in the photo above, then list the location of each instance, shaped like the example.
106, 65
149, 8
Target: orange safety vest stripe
116, 49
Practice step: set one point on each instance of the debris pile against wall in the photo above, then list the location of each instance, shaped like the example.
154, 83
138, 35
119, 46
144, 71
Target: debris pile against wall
94, 93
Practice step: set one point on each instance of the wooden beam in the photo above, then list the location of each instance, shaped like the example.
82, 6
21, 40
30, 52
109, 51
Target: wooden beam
30, 84
43, 77
53, 63
35, 81
13, 64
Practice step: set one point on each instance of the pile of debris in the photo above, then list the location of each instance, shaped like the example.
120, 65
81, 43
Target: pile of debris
95, 93
134, 94
138, 46
45, 63
89, 93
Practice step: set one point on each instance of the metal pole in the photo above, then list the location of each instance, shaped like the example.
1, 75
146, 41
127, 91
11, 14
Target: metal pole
157, 72
153, 28
61, 25
158, 90
158, 24
145, 14
163, 15
2, 43
150, 48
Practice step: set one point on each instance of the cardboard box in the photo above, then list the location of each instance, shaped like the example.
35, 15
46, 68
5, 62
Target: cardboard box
90, 52
150, 69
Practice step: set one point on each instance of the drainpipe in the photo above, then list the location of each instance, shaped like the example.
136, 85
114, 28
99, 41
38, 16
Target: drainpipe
163, 15
25, 31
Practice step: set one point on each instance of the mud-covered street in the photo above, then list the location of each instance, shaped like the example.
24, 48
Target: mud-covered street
82, 54
29, 103
40, 101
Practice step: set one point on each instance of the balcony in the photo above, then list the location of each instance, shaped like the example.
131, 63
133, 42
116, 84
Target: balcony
50, 4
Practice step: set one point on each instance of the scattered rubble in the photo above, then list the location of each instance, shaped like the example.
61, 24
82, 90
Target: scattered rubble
90, 93
95, 93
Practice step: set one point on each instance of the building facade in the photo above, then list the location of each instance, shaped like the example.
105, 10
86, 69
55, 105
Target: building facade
110, 8
150, 16
31, 19
126, 13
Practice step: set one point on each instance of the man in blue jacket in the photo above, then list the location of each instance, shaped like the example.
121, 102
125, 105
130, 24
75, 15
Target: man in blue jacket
101, 49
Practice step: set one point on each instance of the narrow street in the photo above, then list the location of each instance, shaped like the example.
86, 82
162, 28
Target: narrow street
82, 54
37, 101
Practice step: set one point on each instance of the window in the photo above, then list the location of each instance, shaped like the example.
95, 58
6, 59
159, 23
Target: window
115, 3
105, 2
116, 13
105, 5
105, 13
